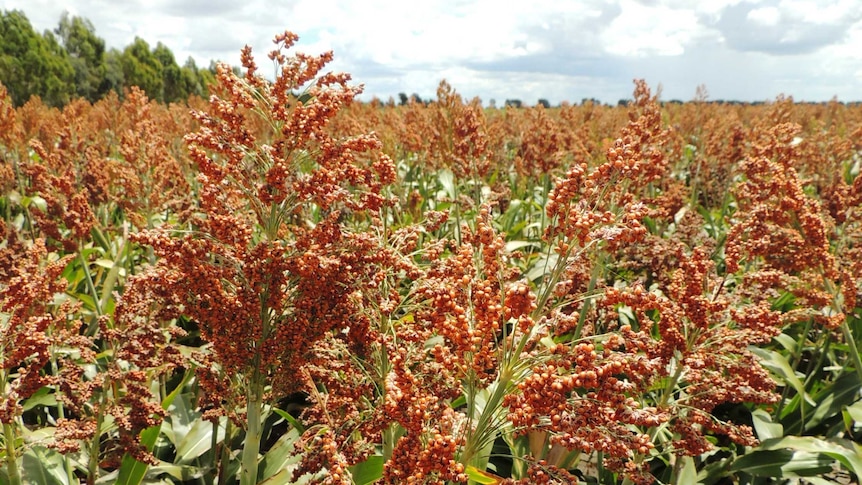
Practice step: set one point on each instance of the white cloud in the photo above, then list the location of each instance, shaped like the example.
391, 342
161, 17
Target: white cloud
642, 30
768, 16
820, 11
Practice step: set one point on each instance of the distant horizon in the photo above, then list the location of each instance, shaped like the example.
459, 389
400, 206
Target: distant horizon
740, 50
527, 104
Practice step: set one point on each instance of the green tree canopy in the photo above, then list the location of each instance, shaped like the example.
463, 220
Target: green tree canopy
142, 68
172, 86
74, 61
87, 53
195, 80
33, 64
114, 77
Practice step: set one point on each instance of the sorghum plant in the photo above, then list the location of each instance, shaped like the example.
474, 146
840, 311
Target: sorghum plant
596, 211
480, 310
30, 321
783, 234
544, 146
623, 389
541, 291
146, 180
270, 266
786, 244
591, 214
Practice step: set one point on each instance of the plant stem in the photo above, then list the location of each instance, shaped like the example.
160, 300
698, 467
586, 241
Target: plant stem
61, 414
488, 425
93, 464
214, 447
9, 438
457, 205
91, 287
254, 431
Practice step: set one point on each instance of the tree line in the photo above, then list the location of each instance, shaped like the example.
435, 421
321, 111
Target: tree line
72, 61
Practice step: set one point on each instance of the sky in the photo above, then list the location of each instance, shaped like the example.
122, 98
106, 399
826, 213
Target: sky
559, 50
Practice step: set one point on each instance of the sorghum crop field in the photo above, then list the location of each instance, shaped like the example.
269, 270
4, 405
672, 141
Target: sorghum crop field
284, 285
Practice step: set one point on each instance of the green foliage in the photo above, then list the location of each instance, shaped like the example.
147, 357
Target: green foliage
142, 68
114, 77
194, 81
87, 54
173, 88
33, 64
73, 61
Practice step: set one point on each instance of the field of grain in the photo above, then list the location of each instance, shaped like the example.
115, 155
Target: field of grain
284, 285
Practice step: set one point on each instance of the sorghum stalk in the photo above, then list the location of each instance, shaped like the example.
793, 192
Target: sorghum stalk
492, 419
9, 439
255, 391
61, 413
93, 464
390, 433
254, 431
214, 447
91, 287
677, 468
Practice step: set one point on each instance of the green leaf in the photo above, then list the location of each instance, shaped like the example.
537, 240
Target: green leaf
104, 263
285, 477
197, 441
180, 472
281, 478
765, 427
786, 341
779, 365
516, 245
832, 399
447, 181
42, 397
784, 302
542, 265
627, 316
182, 416
845, 451
782, 463
290, 419
369, 471
100, 239
714, 472
855, 412
281, 456
688, 474
87, 300
43, 466
35, 201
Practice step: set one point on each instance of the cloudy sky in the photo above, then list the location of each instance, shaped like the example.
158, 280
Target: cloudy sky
555, 49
